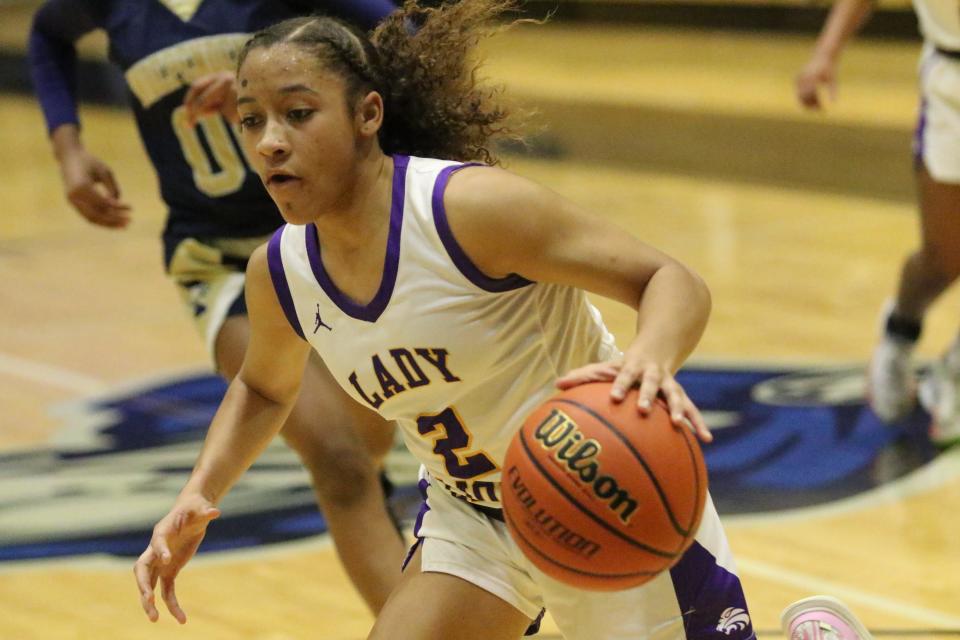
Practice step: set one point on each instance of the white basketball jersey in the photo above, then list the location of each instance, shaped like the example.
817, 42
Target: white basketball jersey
939, 22
458, 359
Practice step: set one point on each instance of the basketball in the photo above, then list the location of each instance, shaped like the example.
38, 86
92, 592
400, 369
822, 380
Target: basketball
599, 496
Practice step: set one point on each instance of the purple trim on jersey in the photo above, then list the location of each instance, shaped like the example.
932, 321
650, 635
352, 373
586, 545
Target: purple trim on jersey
371, 311
705, 592
918, 146
280, 285
424, 507
455, 251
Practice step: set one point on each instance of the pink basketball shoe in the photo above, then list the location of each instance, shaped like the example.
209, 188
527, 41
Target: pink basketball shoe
821, 618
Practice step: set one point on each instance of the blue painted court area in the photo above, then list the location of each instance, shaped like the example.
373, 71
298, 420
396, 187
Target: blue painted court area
785, 438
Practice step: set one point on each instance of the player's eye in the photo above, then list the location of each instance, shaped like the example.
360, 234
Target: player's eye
250, 121
299, 115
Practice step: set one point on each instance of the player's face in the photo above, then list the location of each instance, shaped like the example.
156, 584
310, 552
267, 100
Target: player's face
296, 129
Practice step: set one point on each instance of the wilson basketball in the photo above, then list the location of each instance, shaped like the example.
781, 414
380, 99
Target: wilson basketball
599, 496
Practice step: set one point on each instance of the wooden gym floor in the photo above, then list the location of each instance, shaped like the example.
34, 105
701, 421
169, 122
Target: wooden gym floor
798, 274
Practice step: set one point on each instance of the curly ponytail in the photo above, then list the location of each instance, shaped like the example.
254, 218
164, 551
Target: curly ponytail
434, 104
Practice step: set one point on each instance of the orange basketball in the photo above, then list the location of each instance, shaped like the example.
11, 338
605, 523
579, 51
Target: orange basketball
599, 496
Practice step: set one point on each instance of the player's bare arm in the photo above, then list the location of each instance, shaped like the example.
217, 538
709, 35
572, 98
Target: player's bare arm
508, 224
845, 18
252, 413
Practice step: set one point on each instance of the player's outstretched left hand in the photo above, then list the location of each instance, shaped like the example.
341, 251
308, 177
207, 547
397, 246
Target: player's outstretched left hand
175, 539
653, 379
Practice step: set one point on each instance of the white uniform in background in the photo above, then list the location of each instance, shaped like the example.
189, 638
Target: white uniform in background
937, 137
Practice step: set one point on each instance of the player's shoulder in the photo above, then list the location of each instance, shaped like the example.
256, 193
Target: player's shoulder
488, 195
258, 265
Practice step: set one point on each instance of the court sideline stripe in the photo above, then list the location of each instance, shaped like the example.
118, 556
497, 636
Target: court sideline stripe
49, 375
850, 595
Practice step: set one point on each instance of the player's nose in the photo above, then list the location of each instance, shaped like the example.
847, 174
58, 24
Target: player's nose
273, 143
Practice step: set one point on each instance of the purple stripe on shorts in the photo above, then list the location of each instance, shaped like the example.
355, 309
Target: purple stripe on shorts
456, 253
371, 311
918, 133
710, 598
424, 507
279, 277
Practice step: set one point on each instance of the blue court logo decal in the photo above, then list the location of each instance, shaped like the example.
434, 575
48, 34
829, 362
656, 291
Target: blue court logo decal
787, 438
784, 438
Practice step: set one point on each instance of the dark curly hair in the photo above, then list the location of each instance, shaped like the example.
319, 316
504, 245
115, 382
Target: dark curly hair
422, 62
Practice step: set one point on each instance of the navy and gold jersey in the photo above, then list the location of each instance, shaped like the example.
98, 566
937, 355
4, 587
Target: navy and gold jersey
162, 46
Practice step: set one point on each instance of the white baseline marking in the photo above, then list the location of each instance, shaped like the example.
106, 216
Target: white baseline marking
849, 594
49, 375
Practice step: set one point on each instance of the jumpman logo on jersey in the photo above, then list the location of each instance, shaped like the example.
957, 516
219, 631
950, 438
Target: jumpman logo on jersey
320, 322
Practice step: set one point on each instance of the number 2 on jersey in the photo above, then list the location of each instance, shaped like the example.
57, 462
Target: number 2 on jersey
452, 443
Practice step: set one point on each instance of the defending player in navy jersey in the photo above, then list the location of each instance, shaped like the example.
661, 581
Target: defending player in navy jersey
218, 212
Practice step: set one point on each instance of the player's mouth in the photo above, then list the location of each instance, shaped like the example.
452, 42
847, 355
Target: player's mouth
276, 179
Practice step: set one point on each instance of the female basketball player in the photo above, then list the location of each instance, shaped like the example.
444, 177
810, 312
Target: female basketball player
449, 297
219, 212
936, 264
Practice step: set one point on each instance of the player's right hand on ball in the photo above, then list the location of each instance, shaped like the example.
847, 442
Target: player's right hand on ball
653, 380
175, 539
93, 191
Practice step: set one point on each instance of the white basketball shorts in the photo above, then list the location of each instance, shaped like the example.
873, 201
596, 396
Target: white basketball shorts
700, 598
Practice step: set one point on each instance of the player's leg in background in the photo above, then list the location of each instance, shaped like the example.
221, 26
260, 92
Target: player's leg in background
933, 267
926, 274
342, 446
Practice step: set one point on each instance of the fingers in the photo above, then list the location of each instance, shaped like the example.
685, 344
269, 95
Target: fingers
208, 95
599, 372
93, 190
676, 400
100, 209
170, 598
101, 206
698, 423
160, 544
807, 92
182, 524
197, 87
146, 576
105, 177
832, 89
653, 380
683, 413
194, 100
650, 383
